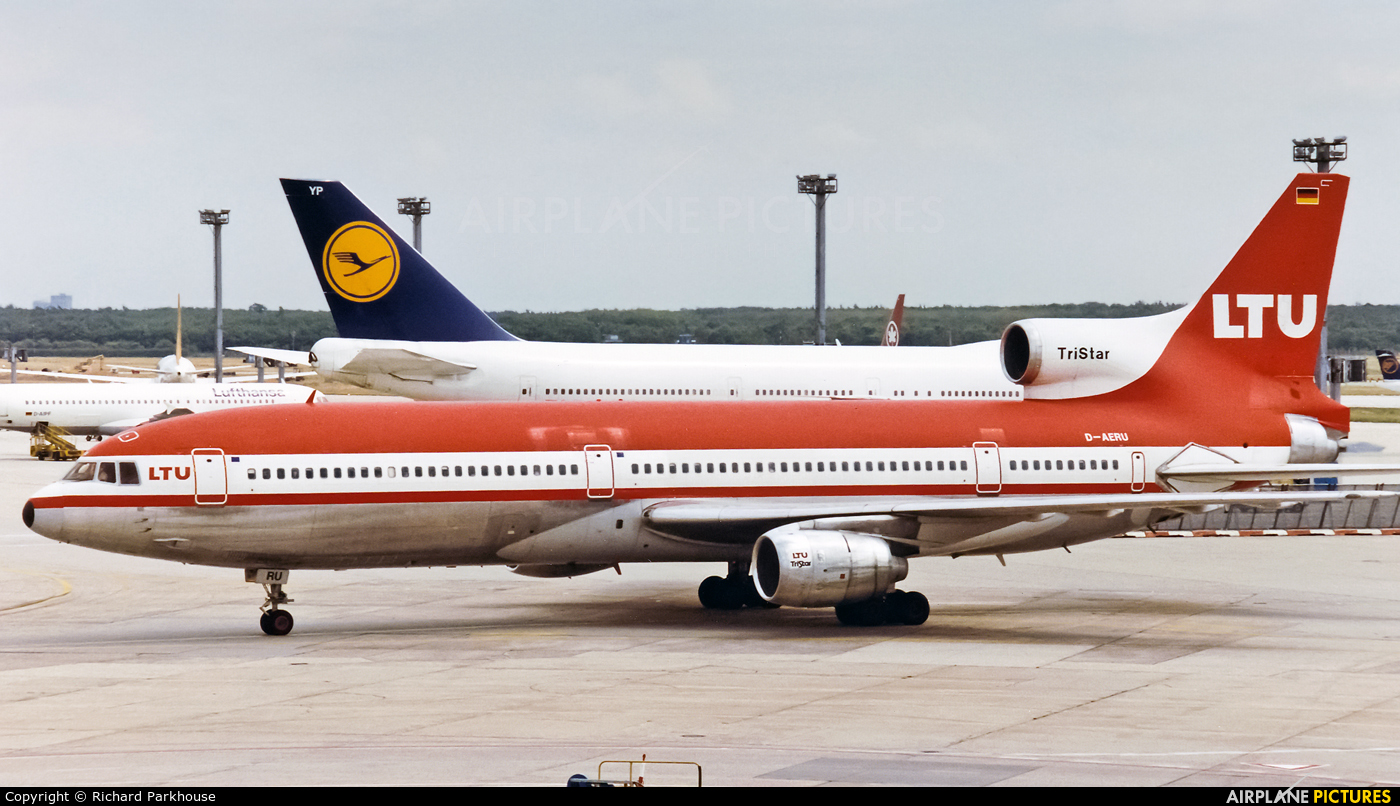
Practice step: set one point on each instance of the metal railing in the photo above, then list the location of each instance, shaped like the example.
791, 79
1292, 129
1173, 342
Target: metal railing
1361, 513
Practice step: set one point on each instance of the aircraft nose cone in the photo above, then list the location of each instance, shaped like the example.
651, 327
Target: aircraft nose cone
46, 521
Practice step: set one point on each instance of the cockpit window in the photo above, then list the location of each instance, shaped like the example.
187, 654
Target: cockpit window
82, 471
107, 471
129, 474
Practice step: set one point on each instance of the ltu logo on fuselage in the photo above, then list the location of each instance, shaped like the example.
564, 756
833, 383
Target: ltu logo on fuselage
360, 262
1254, 305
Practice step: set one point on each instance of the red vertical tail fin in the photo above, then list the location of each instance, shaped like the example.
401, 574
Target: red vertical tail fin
1264, 313
1261, 318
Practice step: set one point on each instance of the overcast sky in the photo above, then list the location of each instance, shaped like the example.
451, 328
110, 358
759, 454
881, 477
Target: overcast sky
618, 155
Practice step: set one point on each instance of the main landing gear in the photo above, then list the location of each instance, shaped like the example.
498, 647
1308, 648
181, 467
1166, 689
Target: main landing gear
732, 592
275, 620
896, 607
736, 591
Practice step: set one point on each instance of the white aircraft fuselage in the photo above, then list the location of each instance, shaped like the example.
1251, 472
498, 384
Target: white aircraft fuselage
540, 371
106, 409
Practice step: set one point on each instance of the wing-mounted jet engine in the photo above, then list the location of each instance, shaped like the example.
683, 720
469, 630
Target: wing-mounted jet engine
852, 571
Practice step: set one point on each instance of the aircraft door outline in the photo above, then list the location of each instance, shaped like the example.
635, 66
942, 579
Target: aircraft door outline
1139, 471
210, 476
598, 464
987, 462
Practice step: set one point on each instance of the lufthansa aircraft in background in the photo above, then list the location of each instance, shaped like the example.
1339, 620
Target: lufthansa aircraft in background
404, 329
169, 369
99, 410
1390, 369
1118, 425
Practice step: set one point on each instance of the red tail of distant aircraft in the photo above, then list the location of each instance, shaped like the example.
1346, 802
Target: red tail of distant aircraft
1116, 425
896, 323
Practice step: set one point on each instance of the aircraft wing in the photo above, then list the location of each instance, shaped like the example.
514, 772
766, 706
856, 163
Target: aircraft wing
985, 525
405, 365
288, 357
229, 377
117, 426
80, 377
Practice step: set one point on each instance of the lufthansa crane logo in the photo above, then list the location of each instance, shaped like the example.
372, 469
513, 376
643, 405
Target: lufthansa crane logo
360, 262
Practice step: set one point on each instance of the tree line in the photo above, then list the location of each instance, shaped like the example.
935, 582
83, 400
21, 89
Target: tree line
151, 332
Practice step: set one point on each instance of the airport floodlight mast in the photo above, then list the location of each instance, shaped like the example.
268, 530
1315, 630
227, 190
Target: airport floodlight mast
819, 188
1325, 154
1320, 151
15, 355
416, 206
218, 219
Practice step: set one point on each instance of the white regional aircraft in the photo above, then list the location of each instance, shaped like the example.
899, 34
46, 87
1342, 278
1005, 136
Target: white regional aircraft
101, 410
404, 329
812, 503
169, 369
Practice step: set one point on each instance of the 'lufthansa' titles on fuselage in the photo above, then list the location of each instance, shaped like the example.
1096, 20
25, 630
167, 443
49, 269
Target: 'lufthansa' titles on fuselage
249, 391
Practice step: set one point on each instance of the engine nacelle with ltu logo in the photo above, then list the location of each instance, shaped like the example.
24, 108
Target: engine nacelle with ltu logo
819, 568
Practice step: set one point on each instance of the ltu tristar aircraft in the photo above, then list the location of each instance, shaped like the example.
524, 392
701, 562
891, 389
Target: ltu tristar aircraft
102, 410
404, 329
812, 503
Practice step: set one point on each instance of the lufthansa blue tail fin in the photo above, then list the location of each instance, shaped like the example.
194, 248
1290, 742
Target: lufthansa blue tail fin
1390, 367
377, 286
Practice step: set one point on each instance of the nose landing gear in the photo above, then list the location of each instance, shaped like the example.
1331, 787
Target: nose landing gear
275, 620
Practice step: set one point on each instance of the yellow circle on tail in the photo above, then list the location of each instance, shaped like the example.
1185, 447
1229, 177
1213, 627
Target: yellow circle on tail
360, 262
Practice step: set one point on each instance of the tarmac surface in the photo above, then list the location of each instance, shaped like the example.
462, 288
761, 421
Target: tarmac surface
1261, 661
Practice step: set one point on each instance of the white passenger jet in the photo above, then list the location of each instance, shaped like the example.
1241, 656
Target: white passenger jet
173, 368
1115, 426
404, 329
98, 410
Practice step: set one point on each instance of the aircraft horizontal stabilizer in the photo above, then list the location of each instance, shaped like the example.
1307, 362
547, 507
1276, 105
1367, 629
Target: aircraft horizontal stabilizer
404, 364
118, 426
80, 376
291, 358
